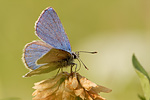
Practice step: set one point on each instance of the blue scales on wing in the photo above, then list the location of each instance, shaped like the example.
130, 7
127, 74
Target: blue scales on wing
50, 30
33, 51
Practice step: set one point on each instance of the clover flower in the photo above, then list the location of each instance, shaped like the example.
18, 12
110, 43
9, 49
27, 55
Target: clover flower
66, 86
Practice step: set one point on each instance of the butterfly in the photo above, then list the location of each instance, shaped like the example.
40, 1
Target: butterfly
53, 51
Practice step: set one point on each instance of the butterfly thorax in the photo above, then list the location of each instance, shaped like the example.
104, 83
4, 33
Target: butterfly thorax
69, 60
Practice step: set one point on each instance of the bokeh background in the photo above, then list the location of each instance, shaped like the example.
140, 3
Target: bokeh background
114, 28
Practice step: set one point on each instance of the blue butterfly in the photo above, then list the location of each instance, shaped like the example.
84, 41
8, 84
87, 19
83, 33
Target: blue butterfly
54, 51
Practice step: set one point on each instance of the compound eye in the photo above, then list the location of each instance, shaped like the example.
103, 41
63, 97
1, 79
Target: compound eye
74, 55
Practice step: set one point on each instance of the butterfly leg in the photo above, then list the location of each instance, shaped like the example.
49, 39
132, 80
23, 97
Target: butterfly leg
75, 68
72, 67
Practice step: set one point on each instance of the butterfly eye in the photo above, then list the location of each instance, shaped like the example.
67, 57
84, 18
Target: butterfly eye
75, 56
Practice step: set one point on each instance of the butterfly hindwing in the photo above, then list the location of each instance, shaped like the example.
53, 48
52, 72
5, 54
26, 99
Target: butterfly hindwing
33, 51
52, 60
44, 69
50, 30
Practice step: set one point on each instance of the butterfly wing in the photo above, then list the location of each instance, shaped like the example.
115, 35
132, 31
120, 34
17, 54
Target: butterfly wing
33, 51
50, 30
52, 60
54, 55
43, 69
43, 57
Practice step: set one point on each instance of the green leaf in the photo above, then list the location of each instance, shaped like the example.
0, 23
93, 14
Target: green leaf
139, 67
143, 76
141, 97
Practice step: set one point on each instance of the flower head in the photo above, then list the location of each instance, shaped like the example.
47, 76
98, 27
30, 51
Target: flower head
67, 86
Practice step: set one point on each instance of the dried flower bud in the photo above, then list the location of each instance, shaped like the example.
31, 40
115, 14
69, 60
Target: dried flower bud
67, 86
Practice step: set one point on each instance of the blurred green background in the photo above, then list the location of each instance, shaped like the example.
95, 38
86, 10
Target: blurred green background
114, 28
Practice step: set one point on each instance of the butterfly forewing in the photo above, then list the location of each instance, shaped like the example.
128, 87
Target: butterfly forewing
50, 30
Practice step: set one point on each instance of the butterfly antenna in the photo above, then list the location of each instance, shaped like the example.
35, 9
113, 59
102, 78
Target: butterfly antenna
83, 63
87, 52
80, 61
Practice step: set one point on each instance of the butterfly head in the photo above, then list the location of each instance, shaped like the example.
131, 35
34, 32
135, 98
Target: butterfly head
75, 55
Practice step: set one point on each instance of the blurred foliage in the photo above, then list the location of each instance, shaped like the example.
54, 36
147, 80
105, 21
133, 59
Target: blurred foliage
139, 67
144, 78
113, 28
141, 97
